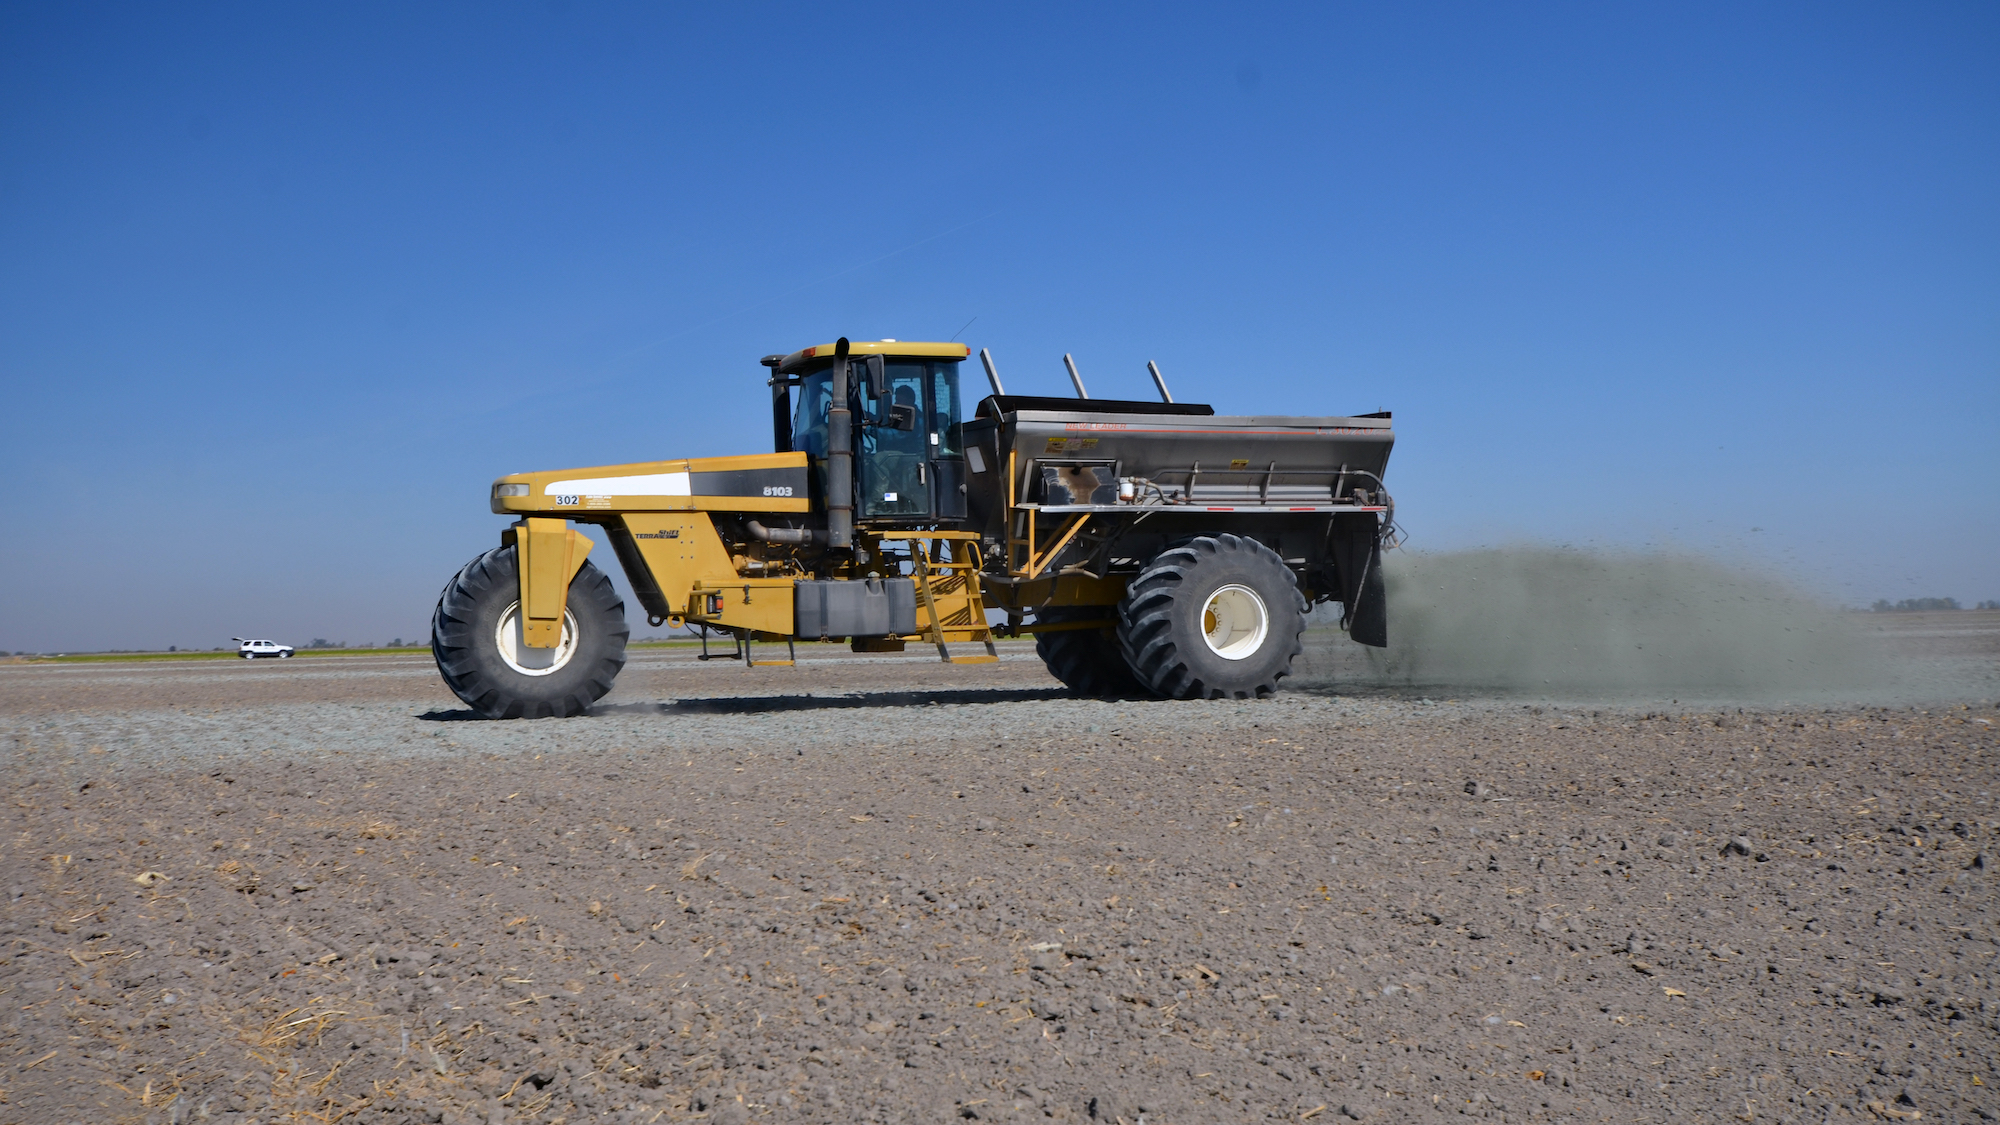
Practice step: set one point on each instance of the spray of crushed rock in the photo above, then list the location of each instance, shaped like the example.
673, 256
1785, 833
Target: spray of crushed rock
1555, 621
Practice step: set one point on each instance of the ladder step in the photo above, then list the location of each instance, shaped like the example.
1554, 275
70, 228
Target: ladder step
950, 596
772, 663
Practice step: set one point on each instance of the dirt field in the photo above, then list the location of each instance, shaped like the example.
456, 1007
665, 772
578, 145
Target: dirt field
877, 889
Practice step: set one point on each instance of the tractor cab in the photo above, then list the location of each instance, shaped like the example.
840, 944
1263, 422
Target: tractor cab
903, 406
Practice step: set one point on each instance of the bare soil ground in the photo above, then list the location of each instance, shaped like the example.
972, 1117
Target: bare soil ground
875, 888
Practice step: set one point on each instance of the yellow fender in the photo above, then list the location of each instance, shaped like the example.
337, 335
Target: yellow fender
550, 552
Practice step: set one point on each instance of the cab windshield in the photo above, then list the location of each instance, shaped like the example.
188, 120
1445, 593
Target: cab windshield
929, 387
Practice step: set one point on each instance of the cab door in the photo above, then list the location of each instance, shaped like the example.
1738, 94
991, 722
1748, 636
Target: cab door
893, 445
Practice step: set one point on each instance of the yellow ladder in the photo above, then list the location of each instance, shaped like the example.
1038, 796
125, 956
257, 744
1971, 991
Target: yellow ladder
948, 583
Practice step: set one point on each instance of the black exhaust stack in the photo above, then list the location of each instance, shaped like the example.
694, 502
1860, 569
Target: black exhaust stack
840, 456
781, 405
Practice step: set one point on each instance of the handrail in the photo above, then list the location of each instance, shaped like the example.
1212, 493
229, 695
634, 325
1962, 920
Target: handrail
1036, 566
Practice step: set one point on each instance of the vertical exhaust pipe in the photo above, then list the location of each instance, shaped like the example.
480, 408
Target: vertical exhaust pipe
840, 456
1159, 381
781, 406
1074, 377
992, 376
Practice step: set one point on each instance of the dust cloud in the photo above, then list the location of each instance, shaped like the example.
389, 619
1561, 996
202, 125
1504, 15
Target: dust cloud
1566, 622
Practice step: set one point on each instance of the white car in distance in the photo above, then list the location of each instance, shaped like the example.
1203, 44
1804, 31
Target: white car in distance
251, 650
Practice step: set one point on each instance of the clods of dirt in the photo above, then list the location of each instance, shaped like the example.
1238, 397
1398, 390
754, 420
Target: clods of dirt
991, 903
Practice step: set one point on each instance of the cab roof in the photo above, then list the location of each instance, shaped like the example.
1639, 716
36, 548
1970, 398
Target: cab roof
910, 348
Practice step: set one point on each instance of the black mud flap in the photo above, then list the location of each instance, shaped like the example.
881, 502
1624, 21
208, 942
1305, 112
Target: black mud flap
1357, 554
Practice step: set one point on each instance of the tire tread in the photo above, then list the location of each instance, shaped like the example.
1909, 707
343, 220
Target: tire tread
1146, 617
1088, 662
455, 640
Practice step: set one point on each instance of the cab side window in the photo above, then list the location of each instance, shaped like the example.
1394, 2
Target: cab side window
944, 408
809, 418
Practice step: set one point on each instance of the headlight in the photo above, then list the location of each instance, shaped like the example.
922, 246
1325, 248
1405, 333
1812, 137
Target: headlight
500, 490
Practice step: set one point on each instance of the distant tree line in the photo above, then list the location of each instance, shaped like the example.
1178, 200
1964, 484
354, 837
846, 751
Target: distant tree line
1925, 605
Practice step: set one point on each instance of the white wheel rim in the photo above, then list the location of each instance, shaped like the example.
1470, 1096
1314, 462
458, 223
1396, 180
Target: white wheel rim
532, 661
1234, 622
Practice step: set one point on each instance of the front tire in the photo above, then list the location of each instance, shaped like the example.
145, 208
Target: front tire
475, 636
1219, 617
1087, 661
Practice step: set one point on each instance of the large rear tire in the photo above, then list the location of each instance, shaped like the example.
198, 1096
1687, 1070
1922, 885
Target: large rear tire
475, 636
1087, 661
1219, 617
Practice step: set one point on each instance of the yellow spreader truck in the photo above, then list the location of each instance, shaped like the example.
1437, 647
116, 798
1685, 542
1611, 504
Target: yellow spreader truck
1153, 549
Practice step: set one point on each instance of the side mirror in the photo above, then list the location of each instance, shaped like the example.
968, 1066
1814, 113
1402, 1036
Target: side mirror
902, 416
878, 377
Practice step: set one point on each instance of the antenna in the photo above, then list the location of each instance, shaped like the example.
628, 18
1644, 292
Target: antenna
1074, 377
992, 375
1159, 381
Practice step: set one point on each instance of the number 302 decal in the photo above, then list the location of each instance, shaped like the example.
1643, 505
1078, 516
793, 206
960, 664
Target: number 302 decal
566, 501
777, 490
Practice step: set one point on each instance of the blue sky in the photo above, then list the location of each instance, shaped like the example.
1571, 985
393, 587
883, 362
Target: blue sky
283, 287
